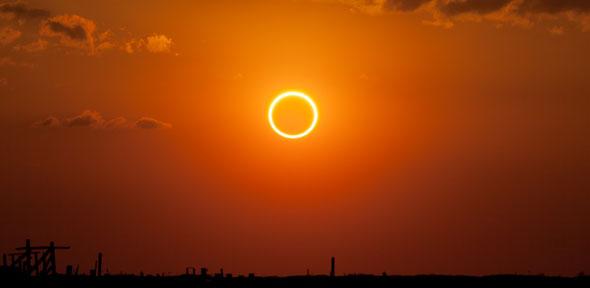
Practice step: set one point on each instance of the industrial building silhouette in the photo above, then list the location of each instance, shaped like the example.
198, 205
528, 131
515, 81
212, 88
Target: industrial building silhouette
36, 266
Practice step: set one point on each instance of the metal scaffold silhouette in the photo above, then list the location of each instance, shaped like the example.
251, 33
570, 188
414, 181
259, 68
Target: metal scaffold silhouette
34, 260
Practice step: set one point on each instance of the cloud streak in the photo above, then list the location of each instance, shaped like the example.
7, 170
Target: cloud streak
94, 120
474, 6
517, 12
8, 35
20, 11
151, 123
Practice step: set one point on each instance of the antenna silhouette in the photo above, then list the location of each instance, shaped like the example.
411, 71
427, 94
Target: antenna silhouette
333, 267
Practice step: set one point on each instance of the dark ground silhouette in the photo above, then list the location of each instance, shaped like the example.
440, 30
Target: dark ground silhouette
360, 281
35, 266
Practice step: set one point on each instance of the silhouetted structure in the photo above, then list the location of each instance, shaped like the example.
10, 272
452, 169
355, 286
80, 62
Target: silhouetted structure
40, 261
320, 281
333, 268
191, 271
35, 260
69, 270
99, 266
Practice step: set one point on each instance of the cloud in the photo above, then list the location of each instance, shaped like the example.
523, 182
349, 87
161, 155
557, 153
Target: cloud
71, 30
32, 47
516, 12
20, 11
94, 120
8, 35
454, 7
156, 43
88, 118
404, 5
150, 123
117, 123
556, 30
49, 122
555, 6
133, 45
106, 41
380, 6
75, 31
472, 6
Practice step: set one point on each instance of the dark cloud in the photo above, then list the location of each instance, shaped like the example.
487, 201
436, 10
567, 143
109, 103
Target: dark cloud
75, 32
22, 11
473, 6
516, 12
49, 122
150, 123
555, 6
455, 7
404, 5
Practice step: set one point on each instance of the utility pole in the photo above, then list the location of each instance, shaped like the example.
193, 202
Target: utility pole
333, 269
99, 268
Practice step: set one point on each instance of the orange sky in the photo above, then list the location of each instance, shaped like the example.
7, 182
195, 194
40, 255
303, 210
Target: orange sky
453, 135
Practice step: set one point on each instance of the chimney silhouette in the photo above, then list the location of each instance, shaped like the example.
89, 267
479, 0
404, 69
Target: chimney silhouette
333, 269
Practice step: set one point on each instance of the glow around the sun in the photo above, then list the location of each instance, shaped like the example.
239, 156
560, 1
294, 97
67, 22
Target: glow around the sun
300, 95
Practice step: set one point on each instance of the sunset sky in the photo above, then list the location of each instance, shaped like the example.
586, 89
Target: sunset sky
453, 137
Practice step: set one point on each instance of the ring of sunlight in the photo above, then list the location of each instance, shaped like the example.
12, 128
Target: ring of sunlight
297, 95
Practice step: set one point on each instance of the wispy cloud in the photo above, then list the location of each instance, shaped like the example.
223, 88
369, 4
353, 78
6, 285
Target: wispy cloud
49, 122
8, 35
446, 13
151, 123
32, 47
20, 11
94, 120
